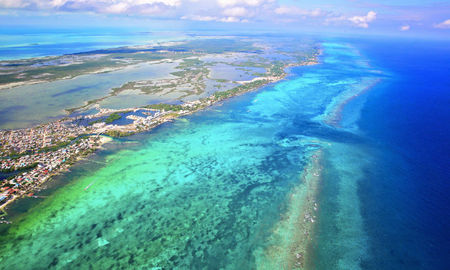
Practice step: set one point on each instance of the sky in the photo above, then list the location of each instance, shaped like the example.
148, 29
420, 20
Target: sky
400, 17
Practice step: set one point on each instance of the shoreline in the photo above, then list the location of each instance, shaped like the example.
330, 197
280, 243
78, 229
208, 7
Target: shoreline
169, 116
64, 167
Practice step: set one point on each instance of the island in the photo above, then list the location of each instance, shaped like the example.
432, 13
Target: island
31, 156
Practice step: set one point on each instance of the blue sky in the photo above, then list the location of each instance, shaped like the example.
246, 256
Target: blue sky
412, 17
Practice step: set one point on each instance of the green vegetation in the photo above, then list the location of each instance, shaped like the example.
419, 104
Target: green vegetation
117, 90
190, 62
88, 103
54, 72
191, 71
190, 67
277, 69
16, 155
170, 115
14, 169
165, 107
96, 121
185, 73
56, 147
111, 118
258, 74
221, 80
215, 46
239, 89
55, 68
142, 56
116, 133
251, 64
69, 66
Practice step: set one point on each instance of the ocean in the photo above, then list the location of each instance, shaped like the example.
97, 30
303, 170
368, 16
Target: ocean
406, 199
342, 165
404, 189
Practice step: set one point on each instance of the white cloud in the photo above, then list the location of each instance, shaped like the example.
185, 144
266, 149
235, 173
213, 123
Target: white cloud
200, 18
172, 3
229, 19
96, 6
405, 28
363, 21
57, 3
226, 19
116, 8
443, 25
295, 11
201, 10
232, 3
235, 12
13, 3
151, 10
228, 10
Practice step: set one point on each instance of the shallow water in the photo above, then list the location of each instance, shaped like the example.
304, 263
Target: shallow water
233, 73
206, 191
28, 105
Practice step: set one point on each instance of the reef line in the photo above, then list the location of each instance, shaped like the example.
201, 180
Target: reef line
292, 235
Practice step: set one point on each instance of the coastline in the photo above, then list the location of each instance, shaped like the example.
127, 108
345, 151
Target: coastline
255, 84
64, 167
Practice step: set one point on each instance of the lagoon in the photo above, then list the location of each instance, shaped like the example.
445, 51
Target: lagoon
28, 105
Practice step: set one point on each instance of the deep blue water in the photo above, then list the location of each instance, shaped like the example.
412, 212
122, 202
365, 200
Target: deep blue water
405, 197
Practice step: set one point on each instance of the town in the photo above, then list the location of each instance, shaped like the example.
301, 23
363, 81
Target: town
29, 157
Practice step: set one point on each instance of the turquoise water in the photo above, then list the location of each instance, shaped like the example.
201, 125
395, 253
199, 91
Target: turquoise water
225, 188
